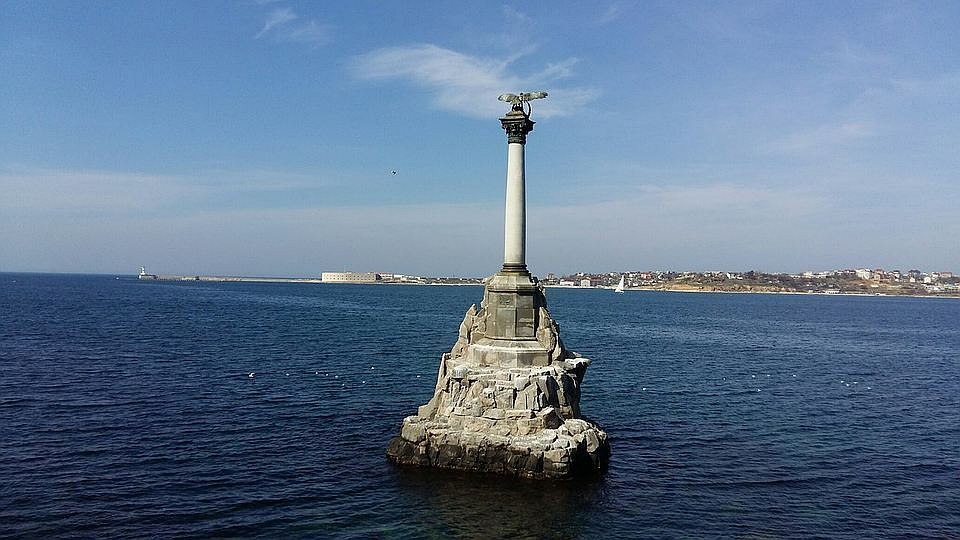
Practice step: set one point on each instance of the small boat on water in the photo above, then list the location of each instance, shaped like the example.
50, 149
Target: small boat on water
619, 285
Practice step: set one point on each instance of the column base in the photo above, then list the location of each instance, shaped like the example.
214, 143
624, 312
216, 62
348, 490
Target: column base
515, 268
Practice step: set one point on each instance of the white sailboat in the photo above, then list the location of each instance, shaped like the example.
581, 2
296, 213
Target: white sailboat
619, 285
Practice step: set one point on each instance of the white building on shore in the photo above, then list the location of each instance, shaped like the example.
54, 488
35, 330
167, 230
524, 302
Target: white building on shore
349, 277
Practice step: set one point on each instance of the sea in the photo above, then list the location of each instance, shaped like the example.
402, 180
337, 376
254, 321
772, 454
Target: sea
132, 409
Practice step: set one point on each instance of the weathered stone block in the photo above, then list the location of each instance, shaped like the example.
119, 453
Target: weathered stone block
526, 323
494, 414
593, 443
563, 442
528, 398
524, 301
478, 424
576, 425
550, 418
507, 359
546, 438
460, 372
534, 464
548, 387
505, 398
506, 323
427, 410
557, 455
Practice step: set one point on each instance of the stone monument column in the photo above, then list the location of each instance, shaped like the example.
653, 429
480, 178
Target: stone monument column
507, 398
517, 124
513, 298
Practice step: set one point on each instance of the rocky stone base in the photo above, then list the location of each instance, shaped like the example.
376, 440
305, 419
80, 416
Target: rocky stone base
575, 447
516, 421
506, 405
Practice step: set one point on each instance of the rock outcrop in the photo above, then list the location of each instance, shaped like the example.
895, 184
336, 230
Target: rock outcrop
506, 404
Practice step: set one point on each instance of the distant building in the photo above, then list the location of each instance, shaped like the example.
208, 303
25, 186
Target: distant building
349, 277
585, 282
864, 273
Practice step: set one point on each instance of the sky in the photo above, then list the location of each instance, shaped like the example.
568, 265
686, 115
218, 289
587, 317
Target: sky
260, 137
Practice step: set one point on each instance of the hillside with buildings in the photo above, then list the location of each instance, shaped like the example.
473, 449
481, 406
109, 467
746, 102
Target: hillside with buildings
851, 281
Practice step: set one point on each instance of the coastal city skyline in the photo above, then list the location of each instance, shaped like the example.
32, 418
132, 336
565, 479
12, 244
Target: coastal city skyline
289, 138
857, 281
587, 278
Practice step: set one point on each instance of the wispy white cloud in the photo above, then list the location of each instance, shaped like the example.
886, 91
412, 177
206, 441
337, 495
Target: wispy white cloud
283, 24
731, 199
276, 18
944, 85
309, 32
48, 192
255, 241
51, 192
853, 53
469, 84
825, 137
612, 13
512, 14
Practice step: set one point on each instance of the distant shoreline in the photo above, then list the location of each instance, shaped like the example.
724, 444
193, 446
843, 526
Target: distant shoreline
804, 293
244, 279
478, 283
437, 281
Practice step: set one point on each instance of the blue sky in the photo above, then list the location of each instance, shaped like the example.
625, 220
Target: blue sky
258, 138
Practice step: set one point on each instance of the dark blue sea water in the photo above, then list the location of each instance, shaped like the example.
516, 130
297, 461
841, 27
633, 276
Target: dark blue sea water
127, 411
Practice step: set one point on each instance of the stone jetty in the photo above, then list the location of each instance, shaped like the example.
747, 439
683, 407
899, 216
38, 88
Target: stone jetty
507, 398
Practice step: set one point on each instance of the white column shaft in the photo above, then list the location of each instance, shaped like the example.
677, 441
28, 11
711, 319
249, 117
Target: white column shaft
515, 222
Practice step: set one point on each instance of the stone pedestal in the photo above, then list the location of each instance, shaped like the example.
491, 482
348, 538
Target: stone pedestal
507, 398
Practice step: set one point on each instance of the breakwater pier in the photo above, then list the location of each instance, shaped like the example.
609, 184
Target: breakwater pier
143, 275
325, 277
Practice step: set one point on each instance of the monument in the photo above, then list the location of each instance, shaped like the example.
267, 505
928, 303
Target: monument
507, 398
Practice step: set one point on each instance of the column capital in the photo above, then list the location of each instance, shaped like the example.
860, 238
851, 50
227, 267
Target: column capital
517, 124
